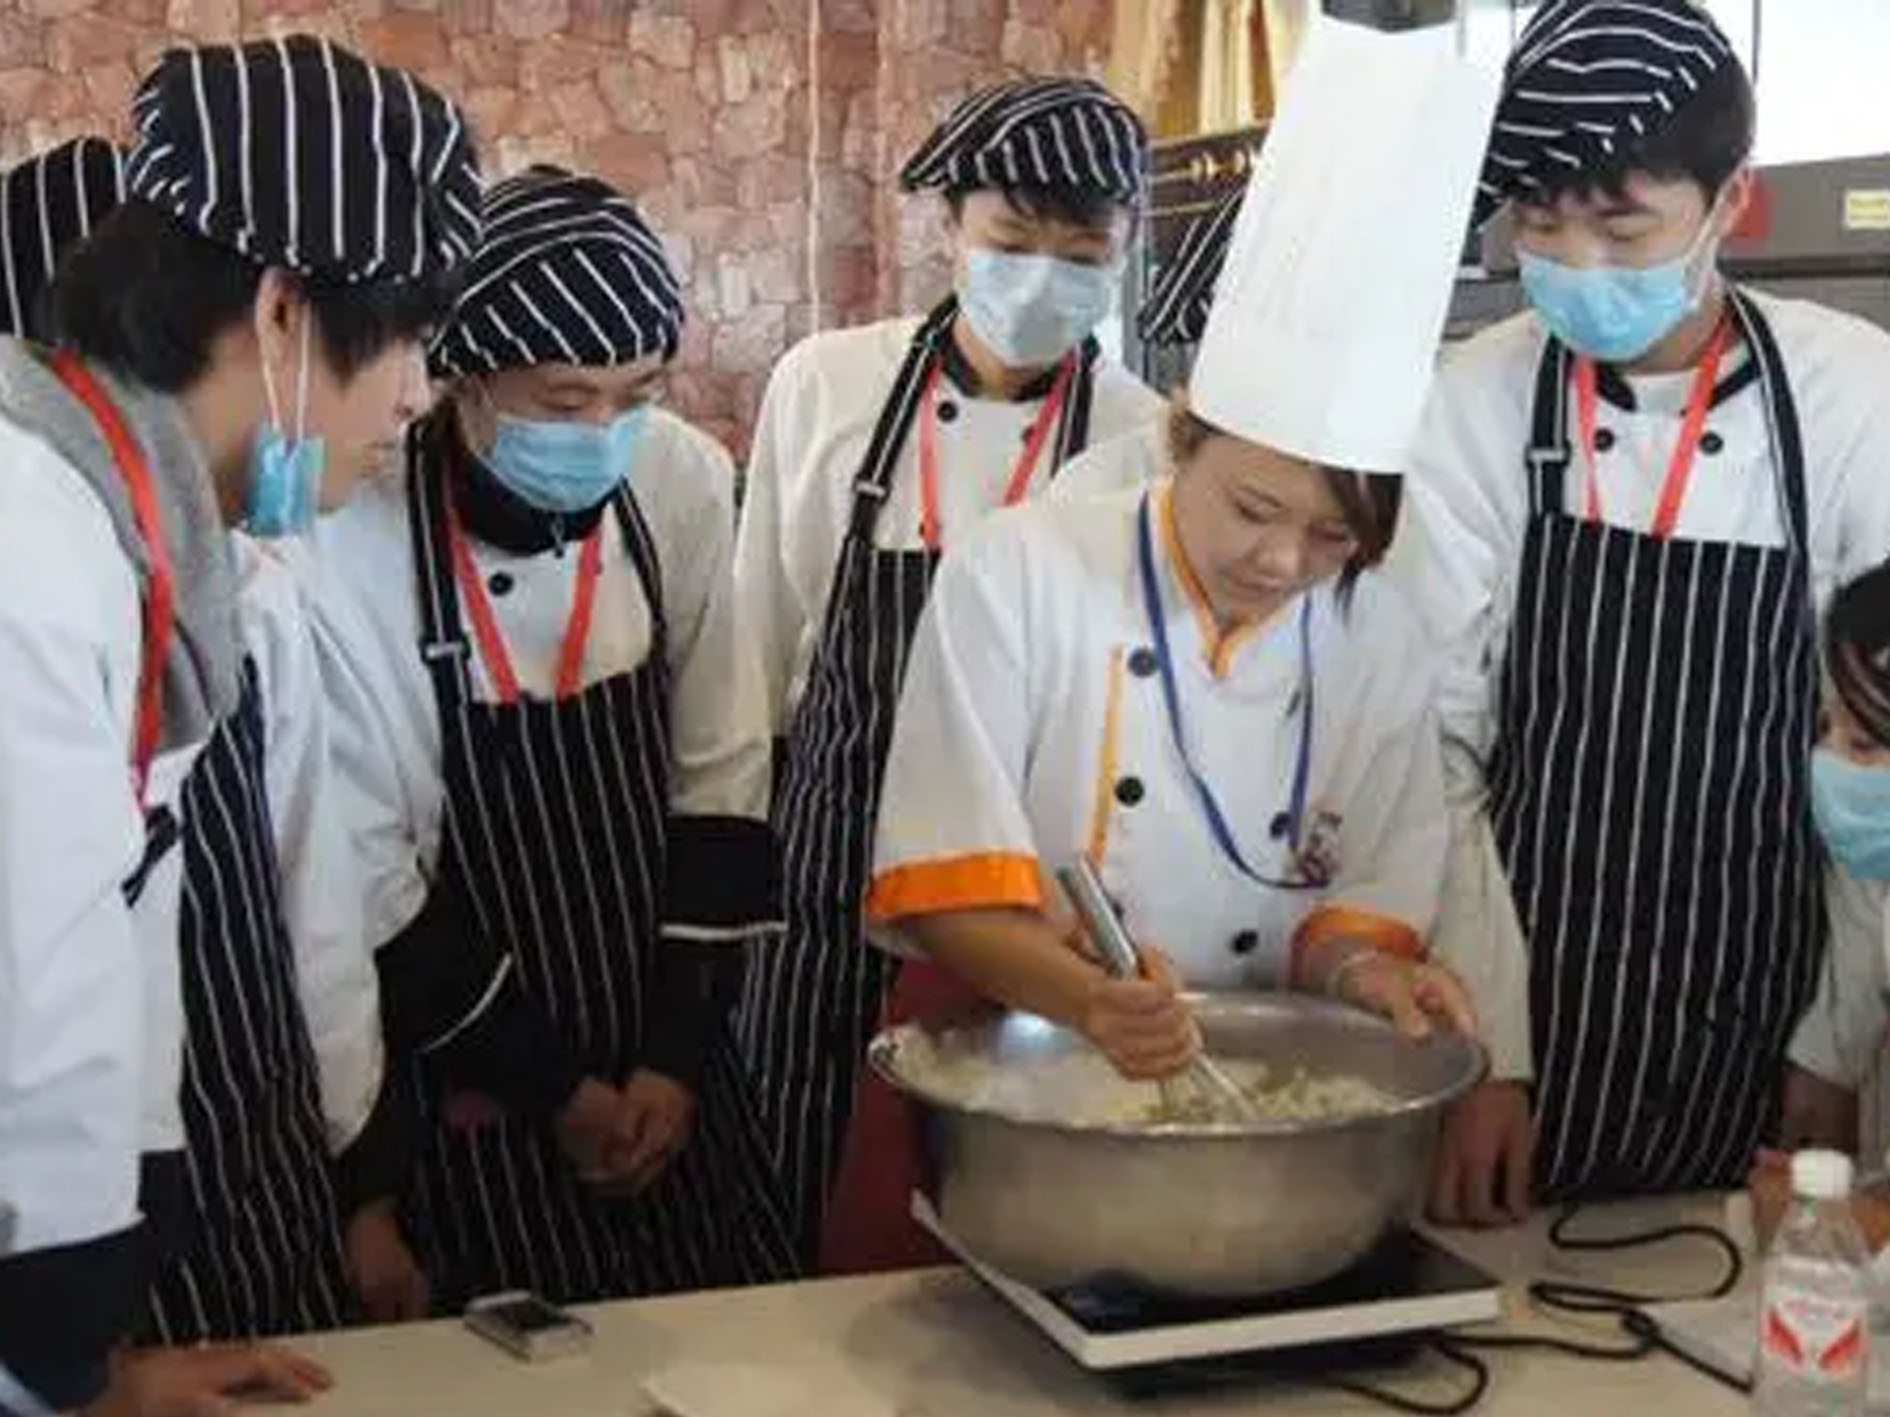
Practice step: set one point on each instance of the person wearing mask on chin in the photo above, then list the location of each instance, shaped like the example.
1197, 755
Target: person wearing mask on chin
1625, 507
555, 768
875, 448
52, 203
229, 346
1203, 687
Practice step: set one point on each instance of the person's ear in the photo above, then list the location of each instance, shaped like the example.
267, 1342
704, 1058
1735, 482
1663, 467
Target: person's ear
1736, 199
473, 407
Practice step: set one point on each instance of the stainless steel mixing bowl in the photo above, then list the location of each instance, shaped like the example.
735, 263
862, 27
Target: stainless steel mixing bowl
1224, 1210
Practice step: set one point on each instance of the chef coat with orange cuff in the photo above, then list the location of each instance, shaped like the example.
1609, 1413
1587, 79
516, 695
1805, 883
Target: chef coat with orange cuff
1033, 729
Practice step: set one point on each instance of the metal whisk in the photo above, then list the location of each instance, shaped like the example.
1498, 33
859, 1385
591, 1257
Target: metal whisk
1203, 1088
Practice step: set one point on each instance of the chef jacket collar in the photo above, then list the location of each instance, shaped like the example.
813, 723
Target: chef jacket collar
965, 379
1618, 392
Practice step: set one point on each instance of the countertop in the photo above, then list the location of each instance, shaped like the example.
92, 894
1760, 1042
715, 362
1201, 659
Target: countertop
934, 1343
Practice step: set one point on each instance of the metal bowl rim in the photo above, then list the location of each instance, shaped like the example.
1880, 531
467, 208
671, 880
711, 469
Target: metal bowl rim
881, 1051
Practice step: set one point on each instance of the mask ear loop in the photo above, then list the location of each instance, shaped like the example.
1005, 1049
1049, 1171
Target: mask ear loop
302, 377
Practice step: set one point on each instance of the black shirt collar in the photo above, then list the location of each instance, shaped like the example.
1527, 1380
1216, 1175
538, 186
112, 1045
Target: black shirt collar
491, 512
1616, 391
965, 379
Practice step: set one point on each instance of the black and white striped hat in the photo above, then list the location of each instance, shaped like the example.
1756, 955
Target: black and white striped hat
1176, 311
303, 155
1058, 133
1591, 80
568, 272
47, 204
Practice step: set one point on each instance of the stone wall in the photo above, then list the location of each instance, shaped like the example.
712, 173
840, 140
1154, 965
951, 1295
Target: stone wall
762, 137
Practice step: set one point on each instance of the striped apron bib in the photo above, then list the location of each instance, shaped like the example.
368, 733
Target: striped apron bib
1650, 797
260, 1246
555, 832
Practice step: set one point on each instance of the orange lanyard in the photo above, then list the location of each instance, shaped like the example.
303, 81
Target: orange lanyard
160, 595
1673, 494
492, 650
931, 530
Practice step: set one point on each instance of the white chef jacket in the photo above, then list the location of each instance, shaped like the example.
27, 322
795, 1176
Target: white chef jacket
1459, 551
321, 897
1134, 459
390, 788
1032, 730
79, 1094
817, 418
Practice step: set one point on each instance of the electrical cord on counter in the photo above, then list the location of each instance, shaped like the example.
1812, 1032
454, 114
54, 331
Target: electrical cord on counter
1626, 1306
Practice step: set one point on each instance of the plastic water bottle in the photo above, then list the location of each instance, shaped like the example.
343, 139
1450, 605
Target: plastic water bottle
1814, 1317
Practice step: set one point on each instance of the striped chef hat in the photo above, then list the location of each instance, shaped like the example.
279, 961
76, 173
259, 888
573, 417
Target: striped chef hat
1057, 133
1590, 81
302, 155
568, 272
48, 203
1176, 311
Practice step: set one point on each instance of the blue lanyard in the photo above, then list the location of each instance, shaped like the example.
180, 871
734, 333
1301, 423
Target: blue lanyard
1293, 824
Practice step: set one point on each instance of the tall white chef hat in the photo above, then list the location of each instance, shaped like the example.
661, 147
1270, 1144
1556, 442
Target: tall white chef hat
1326, 318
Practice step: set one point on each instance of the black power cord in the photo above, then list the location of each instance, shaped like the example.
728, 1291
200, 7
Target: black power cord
1627, 1307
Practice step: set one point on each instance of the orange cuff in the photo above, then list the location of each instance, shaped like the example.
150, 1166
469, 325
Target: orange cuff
982, 881
1365, 927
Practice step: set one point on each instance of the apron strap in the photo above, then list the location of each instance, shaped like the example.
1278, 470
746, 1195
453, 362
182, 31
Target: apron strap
443, 645
1781, 411
1073, 430
1549, 452
896, 417
640, 546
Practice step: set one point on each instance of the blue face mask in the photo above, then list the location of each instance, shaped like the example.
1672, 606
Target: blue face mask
1033, 310
285, 473
1852, 806
1615, 313
565, 467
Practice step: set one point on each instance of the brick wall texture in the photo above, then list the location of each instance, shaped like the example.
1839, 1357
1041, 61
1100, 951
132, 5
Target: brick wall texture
762, 137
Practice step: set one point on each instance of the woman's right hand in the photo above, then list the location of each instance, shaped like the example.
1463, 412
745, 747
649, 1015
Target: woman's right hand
1142, 1025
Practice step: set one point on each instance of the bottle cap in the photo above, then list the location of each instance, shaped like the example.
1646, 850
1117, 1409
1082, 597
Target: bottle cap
1821, 1175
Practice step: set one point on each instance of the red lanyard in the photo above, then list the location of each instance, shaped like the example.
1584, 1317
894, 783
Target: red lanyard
1673, 494
931, 530
160, 593
492, 650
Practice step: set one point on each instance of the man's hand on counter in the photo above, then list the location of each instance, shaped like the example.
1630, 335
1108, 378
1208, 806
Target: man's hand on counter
1486, 1160
1817, 1113
213, 1381
382, 1268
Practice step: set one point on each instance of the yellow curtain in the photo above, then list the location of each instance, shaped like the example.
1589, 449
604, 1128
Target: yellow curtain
1285, 24
1152, 63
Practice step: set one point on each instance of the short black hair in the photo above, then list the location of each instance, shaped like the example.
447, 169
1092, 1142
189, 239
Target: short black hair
1074, 206
1369, 501
146, 297
1707, 140
1857, 650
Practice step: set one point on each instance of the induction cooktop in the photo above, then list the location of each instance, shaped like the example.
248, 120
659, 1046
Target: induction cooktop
1410, 1285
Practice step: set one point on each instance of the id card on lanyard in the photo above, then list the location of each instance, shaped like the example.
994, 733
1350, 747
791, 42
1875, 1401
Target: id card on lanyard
1291, 824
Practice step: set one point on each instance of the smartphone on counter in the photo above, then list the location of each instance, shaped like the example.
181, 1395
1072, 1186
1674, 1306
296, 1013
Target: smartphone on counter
528, 1327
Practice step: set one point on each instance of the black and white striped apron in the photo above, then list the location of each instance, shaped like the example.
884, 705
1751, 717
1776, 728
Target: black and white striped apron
260, 1248
1650, 798
555, 832
812, 998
